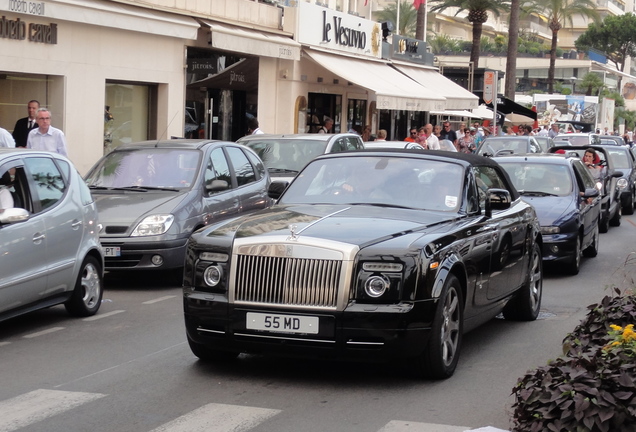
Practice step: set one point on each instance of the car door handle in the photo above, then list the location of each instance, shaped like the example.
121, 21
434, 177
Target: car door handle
76, 224
38, 237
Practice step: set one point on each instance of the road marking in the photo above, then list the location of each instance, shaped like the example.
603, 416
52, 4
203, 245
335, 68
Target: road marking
104, 315
37, 405
218, 417
4, 343
159, 299
404, 426
43, 332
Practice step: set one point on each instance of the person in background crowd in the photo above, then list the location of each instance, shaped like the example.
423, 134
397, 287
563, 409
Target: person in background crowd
412, 135
381, 135
432, 142
467, 143
326, 126
6, 139
46, 137
554, 130
25, 125
366, 133
449, 134
460, 132
477, 139
252, 127
421, 137
437, 130
6, 199
543, 131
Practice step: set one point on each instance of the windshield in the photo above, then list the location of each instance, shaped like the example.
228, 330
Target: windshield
387, 181
146, 168
548, 179
493, 146
287, 154
619, 158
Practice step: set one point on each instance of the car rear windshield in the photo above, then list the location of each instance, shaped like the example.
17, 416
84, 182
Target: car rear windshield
547, 179
287, 154
619, 158
153, 168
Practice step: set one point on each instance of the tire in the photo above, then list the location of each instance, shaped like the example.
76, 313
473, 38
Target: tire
592, 250
89, 289
207, 354
574, 266
628, 208
439, 359
616, 220
525, 305
603, 224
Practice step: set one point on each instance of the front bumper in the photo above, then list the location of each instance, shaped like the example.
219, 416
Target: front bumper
559, 247
137, 255
360, 332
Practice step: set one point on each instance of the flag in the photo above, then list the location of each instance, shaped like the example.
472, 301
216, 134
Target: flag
417, 3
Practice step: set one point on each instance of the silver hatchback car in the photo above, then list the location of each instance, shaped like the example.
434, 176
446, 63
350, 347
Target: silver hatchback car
49, 241
152, 195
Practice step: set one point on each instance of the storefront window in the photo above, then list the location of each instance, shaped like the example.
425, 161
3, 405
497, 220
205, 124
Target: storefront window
356, 111
126, 114
18, 89
322, 106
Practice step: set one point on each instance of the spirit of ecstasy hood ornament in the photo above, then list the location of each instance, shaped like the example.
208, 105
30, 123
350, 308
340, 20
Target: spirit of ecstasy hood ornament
292, 229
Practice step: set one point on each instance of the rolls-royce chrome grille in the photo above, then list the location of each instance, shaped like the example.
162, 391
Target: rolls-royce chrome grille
287, 281
305, 273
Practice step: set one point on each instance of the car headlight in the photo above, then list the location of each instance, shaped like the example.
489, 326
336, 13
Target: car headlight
153, 225
621, 183
550, 230
376, 286
213, 275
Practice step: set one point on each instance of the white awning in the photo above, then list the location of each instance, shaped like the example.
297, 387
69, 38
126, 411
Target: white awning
596, 66
247, 41
122, 16
453, 113
457, 97
393, 90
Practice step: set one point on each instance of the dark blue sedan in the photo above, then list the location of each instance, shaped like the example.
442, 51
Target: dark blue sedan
567, 203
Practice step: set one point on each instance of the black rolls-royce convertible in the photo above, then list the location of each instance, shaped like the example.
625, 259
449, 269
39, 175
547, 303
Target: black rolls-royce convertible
374, 254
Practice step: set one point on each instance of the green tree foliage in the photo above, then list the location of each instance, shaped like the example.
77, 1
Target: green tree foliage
477, 15
559, 13
615, 36
443, 44
408, 17
592, 83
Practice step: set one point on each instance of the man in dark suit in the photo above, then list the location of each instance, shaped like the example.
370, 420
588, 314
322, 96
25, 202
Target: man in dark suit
24, 125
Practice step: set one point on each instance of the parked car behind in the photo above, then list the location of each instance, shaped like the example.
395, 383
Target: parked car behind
545, 142
502, 145
623, 159
152, 195
612, 140
50, 251
392, 144
566, 200
285, 155
351, 264
607, 183
579, 139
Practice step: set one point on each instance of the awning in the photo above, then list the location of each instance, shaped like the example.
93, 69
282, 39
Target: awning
596, 66
457, 97
242, 75
245, 41
393, 90
124, 17
508, 106
453, 113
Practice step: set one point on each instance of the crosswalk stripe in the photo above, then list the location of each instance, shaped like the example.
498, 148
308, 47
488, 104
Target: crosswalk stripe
43, 332
158, 299
37, 405
103, 315
218, 417
404, 426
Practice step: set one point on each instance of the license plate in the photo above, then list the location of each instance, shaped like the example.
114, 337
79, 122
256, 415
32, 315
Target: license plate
112, 251
282, 323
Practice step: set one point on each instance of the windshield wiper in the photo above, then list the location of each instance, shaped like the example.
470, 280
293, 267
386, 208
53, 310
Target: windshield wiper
381, 205
156, 188
537, 193
282, 170
131, 188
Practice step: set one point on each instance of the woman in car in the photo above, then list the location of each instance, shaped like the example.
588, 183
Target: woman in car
593, 161
6, 199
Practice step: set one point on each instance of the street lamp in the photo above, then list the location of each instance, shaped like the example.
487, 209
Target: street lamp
573, 81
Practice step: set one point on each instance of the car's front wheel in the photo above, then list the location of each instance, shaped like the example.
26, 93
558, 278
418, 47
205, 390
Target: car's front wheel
592, 250
628, 208
574, 266
440, 357
525, 305
89, 289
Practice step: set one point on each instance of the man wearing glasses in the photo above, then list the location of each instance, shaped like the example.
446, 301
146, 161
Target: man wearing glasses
448, 134
412, 135
46, 137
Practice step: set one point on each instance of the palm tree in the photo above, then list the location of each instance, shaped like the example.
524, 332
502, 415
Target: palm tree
477, 15
592, 83
558, 13
513, 47
408, 17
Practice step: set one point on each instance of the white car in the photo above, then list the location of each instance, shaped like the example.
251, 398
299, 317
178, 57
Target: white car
50, 246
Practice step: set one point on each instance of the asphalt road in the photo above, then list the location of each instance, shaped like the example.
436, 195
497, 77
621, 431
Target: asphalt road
129, 368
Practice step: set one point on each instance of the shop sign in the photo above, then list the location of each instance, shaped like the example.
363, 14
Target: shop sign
196, 65
411, 50
328, 28
27, 7
20, 30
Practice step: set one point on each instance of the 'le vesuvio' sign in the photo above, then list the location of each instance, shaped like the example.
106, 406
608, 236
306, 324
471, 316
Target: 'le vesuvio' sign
19, 30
